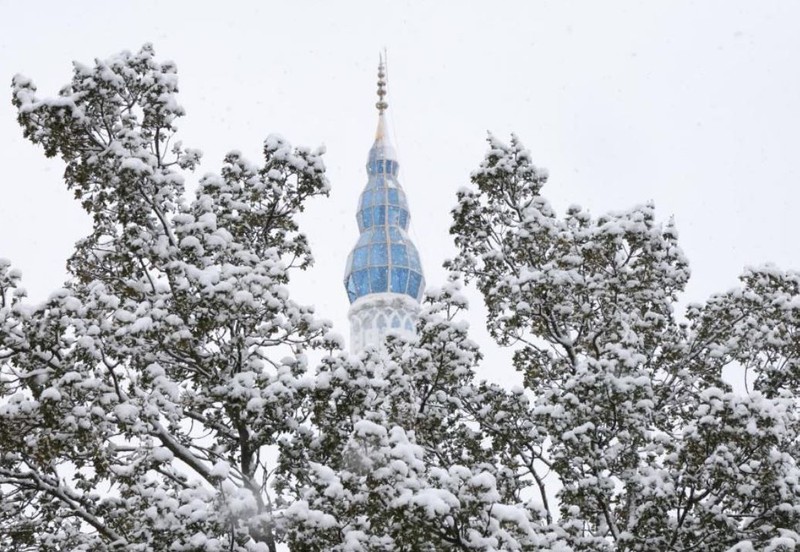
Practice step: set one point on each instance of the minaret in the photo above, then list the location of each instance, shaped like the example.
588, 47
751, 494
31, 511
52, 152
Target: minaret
383, 279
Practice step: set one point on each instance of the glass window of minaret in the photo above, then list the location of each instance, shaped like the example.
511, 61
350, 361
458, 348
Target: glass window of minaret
383, 278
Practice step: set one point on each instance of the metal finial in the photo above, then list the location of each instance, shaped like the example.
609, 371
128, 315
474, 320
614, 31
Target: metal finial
381, 105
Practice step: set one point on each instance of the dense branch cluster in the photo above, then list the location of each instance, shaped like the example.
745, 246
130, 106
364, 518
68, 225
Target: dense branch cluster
163, 400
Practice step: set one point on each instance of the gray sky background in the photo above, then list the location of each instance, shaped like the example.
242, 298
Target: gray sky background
693, 105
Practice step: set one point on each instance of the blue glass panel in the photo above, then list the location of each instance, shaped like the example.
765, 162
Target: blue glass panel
377, 254
377, 279
362, 282
399, 279
366, 199
396, 322
414, 280
394, 198
351, 289
379, 215
389, 164
399, 255
360, 258
363, 239
394, 216
404, 219
379, 164
394, 234
413, 257
366, 218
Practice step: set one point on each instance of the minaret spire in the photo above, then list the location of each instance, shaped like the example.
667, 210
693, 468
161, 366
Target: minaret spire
383, 278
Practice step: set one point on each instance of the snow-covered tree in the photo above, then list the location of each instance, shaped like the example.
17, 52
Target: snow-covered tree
136, 403
393, 458
625, 402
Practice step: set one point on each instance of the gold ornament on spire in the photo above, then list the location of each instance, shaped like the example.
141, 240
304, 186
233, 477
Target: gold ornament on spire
382, 104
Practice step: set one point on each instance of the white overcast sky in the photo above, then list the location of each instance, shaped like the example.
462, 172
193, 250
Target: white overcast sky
693, 105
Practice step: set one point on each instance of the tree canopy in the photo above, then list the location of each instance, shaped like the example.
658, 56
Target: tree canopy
163, 398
